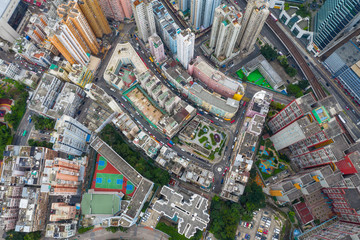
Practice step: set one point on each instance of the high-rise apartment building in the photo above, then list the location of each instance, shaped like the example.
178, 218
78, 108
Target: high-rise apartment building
116, 9
75, 20
332, 229
312, 131
184, 5
13, 19
165, 25
144, 17
71, 136
225, 30
185, 46
157, 48
252, 22
95, 17
68, 45
334, 16
202, 12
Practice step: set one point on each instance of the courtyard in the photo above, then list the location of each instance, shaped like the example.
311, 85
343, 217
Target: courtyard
210, 138
145, 105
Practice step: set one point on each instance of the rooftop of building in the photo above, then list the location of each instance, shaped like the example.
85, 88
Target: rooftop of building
60, 230
192, 214
117, 161
212, 99
248, 145
104, 204
123, 53
349, 53
352, 196
216, 75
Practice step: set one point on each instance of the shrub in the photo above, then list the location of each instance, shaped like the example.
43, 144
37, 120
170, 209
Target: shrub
82, 230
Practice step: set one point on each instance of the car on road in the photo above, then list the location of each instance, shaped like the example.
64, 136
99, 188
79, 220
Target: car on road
211, 121
232, 121
222, 180
169, 145
111, 89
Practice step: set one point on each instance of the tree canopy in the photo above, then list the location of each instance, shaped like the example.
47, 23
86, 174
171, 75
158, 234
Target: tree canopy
295, 90
224, 218
42, 123
268, 52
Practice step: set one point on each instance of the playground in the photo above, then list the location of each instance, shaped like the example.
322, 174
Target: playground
107, 178
255, 77
269, 164
5, 107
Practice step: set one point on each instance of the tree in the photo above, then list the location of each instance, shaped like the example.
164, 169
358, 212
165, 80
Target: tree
268, 52
42, 123
176, 139
224, 218
291, 71
5, 138
303, 84
283, 60
253, 194
33, 236
293, 89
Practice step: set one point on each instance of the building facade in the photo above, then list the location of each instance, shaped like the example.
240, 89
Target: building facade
116, 9
77, 23
202, 13
144, 18
253, 21
67, 44
13, 19
334, 17
165, 25
185, 46
95, 17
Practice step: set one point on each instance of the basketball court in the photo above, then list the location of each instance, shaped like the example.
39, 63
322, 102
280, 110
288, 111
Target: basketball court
107, 178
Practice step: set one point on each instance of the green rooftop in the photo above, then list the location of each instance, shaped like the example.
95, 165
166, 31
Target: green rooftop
53, 66
100, 204
321, 114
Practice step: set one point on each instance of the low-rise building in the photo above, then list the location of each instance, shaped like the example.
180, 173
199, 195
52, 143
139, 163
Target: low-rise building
9, 70
192, 215
199, 176
239, 172
62, 177
54, 98
62, 211
98, 94
264, 67
60, 230
31, 53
